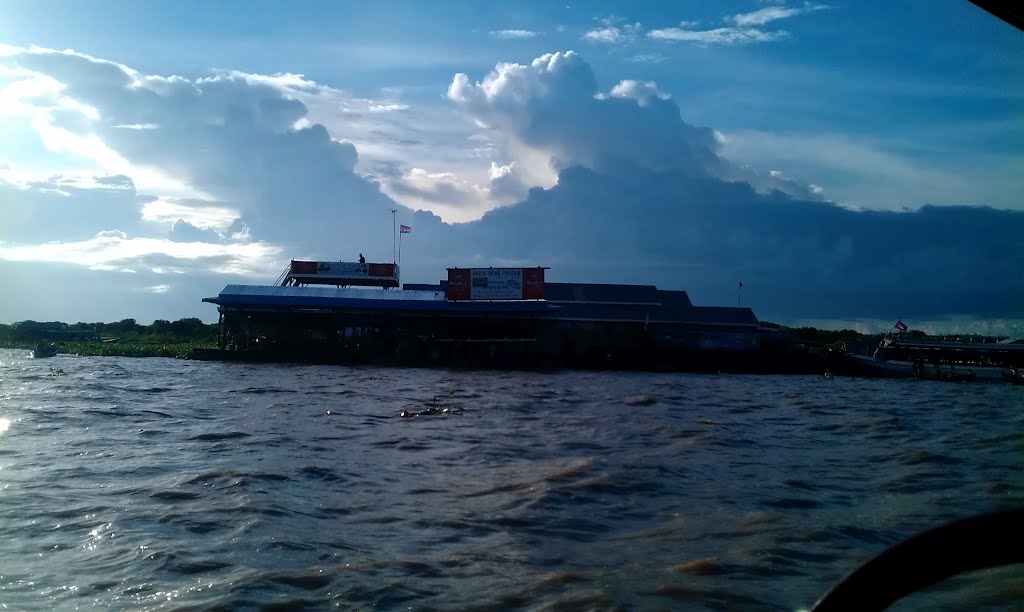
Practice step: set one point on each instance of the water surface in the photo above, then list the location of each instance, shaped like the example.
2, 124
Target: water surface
160, 484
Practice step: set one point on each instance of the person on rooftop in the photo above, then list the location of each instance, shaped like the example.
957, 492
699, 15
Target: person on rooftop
361, 258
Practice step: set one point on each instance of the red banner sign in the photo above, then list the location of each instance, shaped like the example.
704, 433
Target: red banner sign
303, 267
380, 269
458, 284
533, 283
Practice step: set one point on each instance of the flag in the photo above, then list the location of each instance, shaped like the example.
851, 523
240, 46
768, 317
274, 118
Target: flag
900, 325
741, 285
404, 229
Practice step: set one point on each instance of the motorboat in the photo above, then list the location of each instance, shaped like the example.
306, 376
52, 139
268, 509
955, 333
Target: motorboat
43, 350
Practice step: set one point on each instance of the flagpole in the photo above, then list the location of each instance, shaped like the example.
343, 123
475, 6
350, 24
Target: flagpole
738, 291
394, 227
399, 250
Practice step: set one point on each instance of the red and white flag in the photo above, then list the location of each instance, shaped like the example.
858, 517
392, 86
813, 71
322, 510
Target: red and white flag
404, 229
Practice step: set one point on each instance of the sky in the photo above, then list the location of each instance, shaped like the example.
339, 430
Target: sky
850, 163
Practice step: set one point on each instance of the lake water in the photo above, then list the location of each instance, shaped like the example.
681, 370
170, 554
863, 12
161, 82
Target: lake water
162, 484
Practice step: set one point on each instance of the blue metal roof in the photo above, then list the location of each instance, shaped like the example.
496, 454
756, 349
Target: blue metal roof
422, 287
582, 311
676, 300
723, 315
328, 298
601, 293
641, 313
623, 303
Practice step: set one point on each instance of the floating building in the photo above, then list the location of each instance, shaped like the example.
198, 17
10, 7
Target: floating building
327, 312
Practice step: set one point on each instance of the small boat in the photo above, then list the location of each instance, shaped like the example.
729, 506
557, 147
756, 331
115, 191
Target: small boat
43, 350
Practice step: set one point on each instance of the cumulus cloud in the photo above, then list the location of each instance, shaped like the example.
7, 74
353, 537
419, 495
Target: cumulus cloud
641, 91
393, 136
553, 105
183, 231
202, 121
240, 143
437, 188
507, 183
449, 194
63, 122
552, 108
198, 213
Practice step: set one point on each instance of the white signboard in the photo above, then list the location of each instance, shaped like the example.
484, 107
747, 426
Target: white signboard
343, 269
496, 284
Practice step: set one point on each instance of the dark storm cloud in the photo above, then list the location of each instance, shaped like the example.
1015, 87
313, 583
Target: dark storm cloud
795, 258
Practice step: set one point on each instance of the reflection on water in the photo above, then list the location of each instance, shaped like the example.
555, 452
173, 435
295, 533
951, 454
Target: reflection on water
159, 483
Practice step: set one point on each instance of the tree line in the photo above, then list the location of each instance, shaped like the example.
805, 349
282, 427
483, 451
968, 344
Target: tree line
814, 335
190, 330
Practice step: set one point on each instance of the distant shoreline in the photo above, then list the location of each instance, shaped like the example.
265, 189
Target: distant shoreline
125, 338
179, 339
176, 350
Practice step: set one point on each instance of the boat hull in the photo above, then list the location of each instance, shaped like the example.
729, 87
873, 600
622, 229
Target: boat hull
864, 365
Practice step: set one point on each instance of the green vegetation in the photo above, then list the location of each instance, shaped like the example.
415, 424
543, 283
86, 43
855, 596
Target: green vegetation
125, 338
177, 350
